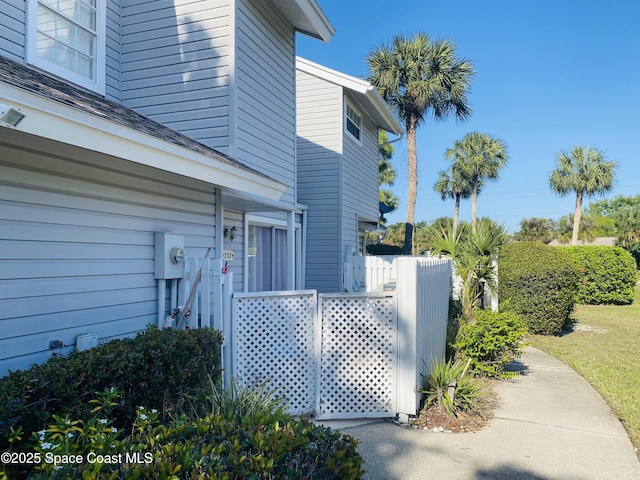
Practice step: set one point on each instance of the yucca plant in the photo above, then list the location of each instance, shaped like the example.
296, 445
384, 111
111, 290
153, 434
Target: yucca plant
452, 388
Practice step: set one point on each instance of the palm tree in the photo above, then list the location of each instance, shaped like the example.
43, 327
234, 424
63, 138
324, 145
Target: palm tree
453, 184
585, 171
479, 157
417, 77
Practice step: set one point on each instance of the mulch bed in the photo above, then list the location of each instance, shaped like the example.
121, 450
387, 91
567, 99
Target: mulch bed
433, 418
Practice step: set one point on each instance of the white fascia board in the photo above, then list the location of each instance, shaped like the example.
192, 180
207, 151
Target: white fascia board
55, 121
322, 28
366, 93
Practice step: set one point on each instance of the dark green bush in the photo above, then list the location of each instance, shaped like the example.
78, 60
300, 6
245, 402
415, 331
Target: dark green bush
161, 369
607, 275
383, 249
491, 341
261, 446
539, 283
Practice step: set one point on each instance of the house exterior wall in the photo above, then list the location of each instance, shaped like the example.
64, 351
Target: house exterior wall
319, 107
360, 182
176, 61
12, 40
77, 242
13, 23
263, 122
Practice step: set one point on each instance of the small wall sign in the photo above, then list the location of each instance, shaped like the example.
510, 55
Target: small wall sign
228, 255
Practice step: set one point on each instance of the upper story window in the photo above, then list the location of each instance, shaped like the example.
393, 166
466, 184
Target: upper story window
353, 123
67, 38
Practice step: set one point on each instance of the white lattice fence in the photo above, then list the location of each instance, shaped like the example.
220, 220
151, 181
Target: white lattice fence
358, 352
273, 339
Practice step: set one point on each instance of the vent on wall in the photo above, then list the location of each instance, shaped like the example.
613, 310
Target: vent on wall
85, 341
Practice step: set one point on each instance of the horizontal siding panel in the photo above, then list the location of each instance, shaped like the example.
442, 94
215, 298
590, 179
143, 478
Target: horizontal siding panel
77, 246
36, 287
76, 301
25, 269
166, 102
12, 41
38, 343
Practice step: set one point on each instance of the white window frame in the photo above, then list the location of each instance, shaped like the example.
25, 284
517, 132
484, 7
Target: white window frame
98, 84
348, 106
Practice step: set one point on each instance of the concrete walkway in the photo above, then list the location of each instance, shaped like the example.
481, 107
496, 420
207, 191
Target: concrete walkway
550, 424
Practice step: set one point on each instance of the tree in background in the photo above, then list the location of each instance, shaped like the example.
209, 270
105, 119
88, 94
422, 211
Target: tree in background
386, 175
418, 77
584, 171
542, 230
624, 214
453, 184
477, 157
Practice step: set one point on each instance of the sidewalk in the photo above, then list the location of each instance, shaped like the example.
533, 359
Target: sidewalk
550, 424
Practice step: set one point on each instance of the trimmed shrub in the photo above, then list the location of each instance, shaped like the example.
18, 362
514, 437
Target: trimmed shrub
266, 444
539, 283
607, 275
491, 341
162, 369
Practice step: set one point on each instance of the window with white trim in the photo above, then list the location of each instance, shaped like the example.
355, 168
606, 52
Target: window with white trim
67, 38
353, 123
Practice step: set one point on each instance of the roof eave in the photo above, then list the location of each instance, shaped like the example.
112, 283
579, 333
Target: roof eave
310, 19
366, 93
49, 119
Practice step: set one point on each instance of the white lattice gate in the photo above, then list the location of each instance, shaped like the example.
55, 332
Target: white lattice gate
337, 360
358, 356
273, 339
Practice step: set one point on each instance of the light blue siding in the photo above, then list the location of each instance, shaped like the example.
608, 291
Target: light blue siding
319, 144
264, 114
175, 65
77, 246
12, 19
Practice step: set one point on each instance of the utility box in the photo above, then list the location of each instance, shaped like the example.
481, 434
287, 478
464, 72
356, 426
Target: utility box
85, 341
169, 256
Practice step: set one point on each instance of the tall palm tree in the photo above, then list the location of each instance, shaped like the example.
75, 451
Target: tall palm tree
479, 157
453, 184
418, 77
585, 171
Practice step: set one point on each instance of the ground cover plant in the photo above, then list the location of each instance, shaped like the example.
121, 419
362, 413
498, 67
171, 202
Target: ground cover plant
159, 413
602, 345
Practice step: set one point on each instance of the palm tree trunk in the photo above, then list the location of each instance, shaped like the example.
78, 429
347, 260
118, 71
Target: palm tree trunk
576, 218
474, 205
412, 184
456, 214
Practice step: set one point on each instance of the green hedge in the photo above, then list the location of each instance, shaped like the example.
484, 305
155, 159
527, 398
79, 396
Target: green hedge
607, 275
539, 283
160, 369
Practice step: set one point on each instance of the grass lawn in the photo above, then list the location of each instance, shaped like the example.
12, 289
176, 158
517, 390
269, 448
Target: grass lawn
607, 355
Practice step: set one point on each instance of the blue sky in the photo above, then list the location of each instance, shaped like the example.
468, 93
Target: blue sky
550, 74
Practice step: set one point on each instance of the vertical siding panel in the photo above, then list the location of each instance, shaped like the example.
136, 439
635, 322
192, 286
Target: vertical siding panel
319, 142
265, 83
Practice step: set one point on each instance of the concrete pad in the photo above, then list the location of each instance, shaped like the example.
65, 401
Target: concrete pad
550, 424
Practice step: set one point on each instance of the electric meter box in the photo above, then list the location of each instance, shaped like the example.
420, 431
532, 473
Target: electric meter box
169, 256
